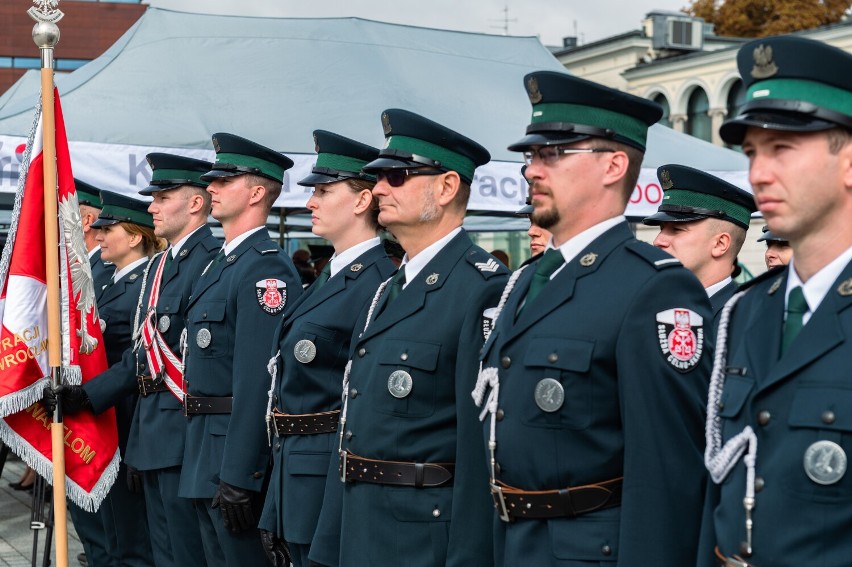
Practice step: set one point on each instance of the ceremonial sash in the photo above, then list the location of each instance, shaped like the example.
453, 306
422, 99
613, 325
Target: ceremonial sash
162, 362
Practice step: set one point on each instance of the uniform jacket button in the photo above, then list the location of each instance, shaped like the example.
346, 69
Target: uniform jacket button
403, 356
348, 435
505, 362
258, 475
828, 417
353, 392
362, 351
499, 415
763, 417
552, 357
606, 550
758, 483
436, 513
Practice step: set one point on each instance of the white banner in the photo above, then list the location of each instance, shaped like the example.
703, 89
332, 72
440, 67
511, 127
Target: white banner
498, 186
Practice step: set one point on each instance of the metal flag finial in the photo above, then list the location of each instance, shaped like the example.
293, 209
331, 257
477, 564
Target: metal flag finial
45, 31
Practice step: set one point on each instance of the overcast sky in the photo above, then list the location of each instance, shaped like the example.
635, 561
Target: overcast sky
551, 20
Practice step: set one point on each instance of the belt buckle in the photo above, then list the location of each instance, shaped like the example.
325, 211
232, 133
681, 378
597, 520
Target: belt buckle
275, 426
499, 502
343, 466
140, 380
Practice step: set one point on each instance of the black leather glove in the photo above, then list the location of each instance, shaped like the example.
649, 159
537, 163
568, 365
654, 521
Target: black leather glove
74, 399
276, 549
134, 480
236, 507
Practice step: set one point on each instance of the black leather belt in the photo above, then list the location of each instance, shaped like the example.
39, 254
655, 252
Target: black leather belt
148, 385
513, 503
735, 561
195, 405
418, 475
305, 424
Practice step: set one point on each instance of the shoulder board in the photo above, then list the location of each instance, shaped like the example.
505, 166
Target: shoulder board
775, 273
654, 256
267, 248
484, 263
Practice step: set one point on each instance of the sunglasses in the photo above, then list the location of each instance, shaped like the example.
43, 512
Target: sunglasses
397, 177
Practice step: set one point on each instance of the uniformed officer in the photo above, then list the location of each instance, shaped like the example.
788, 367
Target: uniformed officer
780, 404
230, 316
126, 237
311, 350
151, 367
778, 250
409, 440
593, 379
89, 199
703, 222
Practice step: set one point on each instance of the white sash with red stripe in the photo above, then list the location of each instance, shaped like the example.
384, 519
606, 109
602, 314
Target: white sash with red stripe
162, 362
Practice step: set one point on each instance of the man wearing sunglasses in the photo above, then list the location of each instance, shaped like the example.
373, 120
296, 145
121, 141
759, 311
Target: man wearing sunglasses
594, 378
410, 448
703, 222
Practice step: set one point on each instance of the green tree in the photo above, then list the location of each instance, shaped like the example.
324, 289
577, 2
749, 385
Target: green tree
760, 18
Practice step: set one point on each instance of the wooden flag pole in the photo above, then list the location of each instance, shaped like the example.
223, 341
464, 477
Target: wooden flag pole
46, 36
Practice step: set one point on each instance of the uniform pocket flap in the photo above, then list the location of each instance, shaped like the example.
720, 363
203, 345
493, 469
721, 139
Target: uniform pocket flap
313, 330
314, 464
734, 395
565, 354
168, 304
421, 504
822, 407
210, 311
217, 424
410, 353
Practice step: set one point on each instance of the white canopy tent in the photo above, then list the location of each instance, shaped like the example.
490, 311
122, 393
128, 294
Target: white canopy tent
176, 78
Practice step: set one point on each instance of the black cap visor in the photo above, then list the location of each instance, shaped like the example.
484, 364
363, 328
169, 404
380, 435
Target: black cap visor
397, 159
782, 114
158, 187
662, 216
320, 175
104, 222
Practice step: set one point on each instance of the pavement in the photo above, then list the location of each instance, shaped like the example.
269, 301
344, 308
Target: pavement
16, 537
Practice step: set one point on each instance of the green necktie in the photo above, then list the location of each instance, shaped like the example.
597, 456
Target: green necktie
549, 263
216, 259
324, 275
396, 284
168, 260
797, 306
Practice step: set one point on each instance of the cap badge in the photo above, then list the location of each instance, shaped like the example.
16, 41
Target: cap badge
216, 145
588, 259
432, 279
666, 180
533, 91
764, 66
845, 287
386, 123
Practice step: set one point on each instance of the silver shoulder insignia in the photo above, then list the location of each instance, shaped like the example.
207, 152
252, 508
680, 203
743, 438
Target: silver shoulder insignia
588, 259
356, 267
845, 287
490, 266
775, 286
432, 279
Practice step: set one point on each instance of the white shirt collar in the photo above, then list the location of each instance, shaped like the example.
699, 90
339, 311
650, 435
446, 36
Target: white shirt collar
93, 250
717, 287
175, 248
416, 264
339, 261
575, 245
232, 245
128, 268
818, 286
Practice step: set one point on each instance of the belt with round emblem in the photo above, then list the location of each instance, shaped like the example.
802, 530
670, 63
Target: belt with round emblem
148, 385
398, 473
305, 424
514, 503
734, 561
194, 405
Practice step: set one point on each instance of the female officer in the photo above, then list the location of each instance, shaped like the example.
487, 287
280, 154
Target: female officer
126, 237
311, 350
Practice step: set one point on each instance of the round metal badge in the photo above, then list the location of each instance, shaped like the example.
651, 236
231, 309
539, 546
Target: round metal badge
825, 462
549, 395
164, 323
305, 351
203, 338
400, 384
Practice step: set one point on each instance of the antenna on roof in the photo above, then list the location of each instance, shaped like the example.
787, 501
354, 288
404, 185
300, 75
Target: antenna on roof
505, 21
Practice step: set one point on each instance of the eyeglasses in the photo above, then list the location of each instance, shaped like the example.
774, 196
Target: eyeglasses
397, 177
549, 155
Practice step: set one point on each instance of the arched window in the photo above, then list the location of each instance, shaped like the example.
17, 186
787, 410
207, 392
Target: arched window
698, 123
664, 102
736, 98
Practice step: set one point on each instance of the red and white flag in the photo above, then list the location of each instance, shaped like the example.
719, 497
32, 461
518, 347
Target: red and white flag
91, 442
